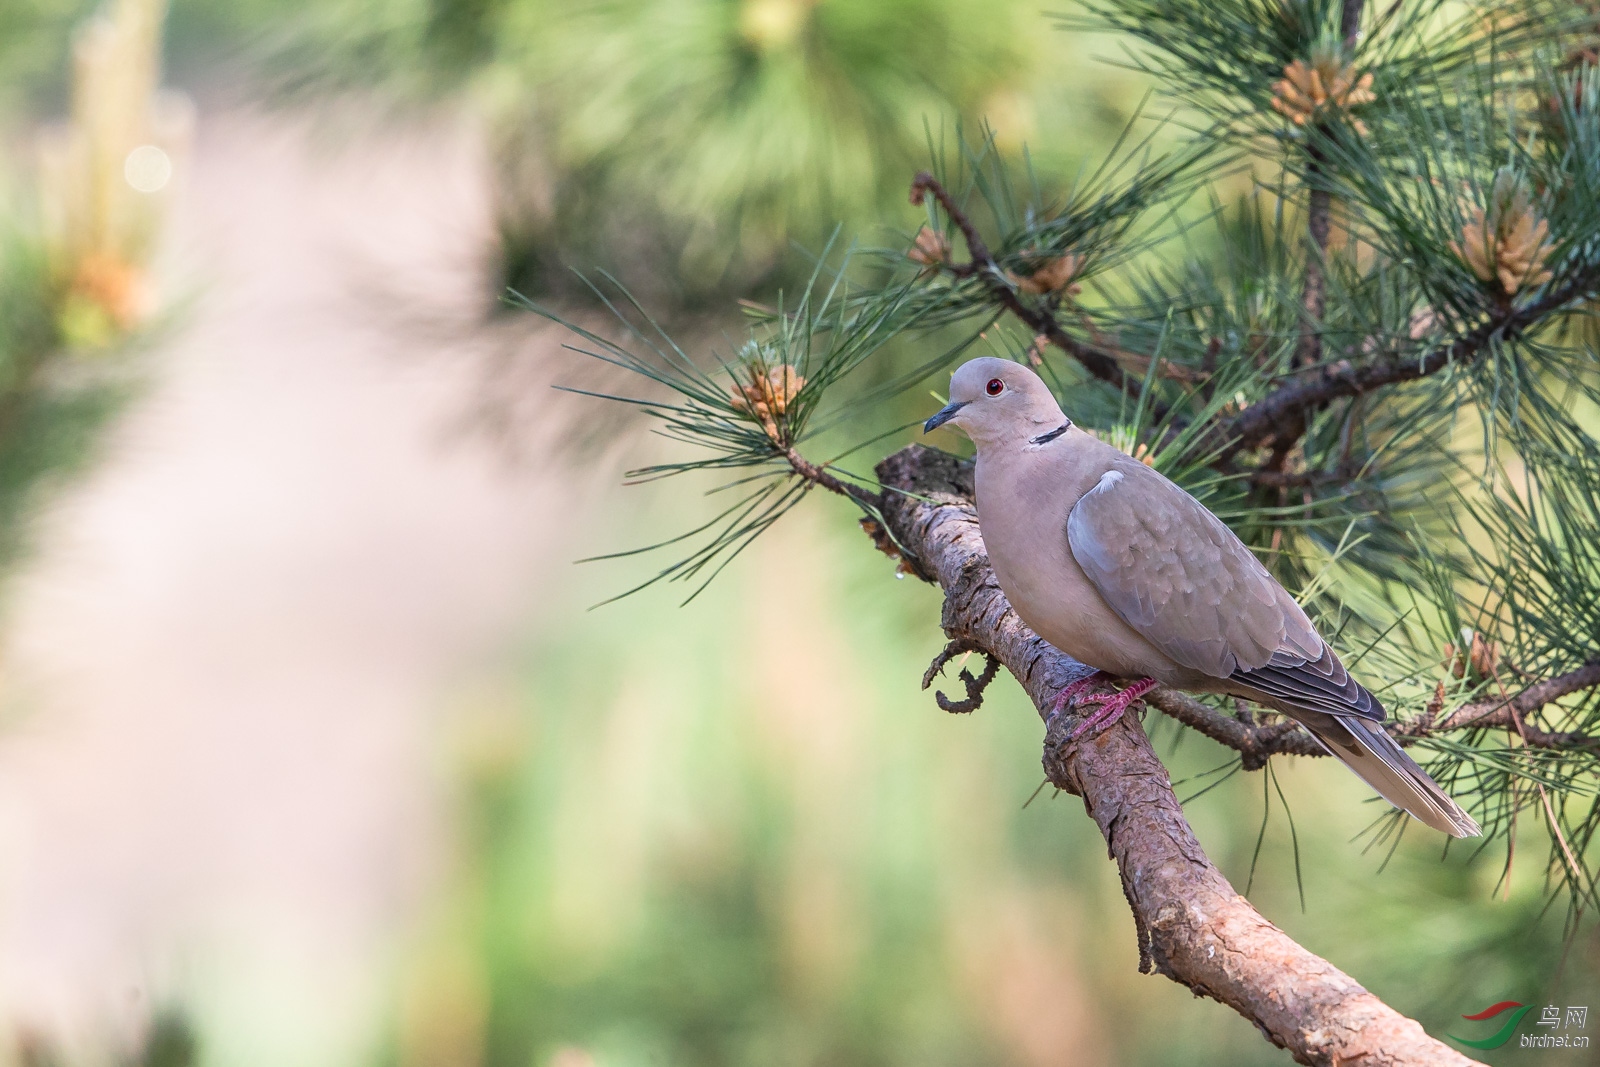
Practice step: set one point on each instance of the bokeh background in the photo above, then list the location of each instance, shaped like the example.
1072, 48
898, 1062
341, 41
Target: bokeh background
313, 749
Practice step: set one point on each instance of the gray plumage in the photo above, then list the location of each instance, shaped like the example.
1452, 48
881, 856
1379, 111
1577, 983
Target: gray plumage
1120, 568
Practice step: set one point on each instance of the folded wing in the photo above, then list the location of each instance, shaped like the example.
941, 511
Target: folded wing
1175, 573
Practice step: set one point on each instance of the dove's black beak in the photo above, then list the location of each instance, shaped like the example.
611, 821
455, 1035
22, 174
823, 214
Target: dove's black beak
942, 416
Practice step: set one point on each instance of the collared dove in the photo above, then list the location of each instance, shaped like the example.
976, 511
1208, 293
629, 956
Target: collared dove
1121, 569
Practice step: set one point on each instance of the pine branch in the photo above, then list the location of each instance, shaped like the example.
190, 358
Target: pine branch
815, 474
1096, 360
1309, 350
1283, 413
1350, 22
1504, 712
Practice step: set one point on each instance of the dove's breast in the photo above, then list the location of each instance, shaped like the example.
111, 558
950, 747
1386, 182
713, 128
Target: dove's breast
1023, 505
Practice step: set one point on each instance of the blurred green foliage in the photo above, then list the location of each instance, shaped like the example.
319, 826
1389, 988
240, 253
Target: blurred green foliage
688, 146
54, 402
33, 47
719, 132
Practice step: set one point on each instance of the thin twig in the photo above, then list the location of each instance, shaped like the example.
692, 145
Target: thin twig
1314, 300
818, 475
1502, 713
1096, 360
1318, 217
1350, 23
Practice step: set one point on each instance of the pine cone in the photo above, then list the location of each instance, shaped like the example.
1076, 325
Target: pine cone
931, 249
768, 394
1052, 276
1311, 91
1036, 350
1485, 656
1477, 652
1507, 242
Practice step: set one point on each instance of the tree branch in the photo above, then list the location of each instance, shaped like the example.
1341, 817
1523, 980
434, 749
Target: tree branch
1350, 22
818, 475
1194, 927
1282, 416
1255, 742
1505, 713
1283, 412
1309, 350
1097, 361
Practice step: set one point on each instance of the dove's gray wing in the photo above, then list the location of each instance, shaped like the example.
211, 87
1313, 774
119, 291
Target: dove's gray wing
1174, 572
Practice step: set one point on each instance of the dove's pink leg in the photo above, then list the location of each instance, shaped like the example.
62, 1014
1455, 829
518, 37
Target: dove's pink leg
1070, 693
1112, 705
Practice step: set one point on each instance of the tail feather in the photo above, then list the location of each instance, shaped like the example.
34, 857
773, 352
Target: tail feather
1384, 765
1347, 720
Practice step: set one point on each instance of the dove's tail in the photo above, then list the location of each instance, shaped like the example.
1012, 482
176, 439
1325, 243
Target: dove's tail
1384, 765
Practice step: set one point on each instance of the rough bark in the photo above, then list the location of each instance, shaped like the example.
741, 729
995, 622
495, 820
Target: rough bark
1193, 927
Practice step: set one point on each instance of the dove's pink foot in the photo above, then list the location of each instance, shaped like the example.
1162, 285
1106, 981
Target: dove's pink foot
1070, 693
1112, 705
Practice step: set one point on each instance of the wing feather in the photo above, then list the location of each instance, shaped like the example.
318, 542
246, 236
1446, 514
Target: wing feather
1175, 573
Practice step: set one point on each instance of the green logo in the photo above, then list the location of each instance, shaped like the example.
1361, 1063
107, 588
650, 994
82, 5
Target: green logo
1500, 1036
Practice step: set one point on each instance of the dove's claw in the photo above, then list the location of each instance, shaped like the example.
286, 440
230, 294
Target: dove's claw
1112, 705
1070, 693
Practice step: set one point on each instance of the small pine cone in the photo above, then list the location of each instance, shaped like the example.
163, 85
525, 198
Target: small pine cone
1476, 651
1485, 656
768, 394
1507, 242
1312, 91
931, 249
780, 385
749, 398
1052, 276
1455, 663
1036, 350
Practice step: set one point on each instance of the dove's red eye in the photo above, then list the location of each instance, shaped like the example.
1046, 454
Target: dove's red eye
996, 386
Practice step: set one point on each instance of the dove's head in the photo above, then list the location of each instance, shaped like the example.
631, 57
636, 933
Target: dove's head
995, 401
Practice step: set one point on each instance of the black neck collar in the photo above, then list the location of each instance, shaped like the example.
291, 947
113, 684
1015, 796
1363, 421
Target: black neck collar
1046, 438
